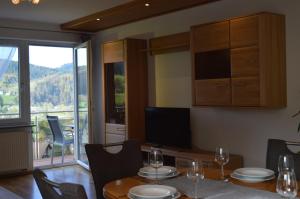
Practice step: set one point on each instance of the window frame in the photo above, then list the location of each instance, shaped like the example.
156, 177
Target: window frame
24, 96
24, 76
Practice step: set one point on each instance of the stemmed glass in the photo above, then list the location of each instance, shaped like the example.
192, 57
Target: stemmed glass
222, 158
195, 173
285, 162
286, 185
156, 161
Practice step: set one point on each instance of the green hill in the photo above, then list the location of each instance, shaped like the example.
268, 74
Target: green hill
37, 72
47, 85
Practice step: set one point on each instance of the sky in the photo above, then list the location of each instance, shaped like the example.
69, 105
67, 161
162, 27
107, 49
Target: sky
48, 56
51, 57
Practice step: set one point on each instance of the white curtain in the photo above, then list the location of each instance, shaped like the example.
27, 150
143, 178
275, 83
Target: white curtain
6, 55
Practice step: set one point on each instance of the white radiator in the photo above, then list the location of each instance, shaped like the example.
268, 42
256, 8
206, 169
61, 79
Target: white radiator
14, 151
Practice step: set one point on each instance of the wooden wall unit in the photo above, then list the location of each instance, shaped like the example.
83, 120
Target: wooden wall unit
256, 66
210, 37
125, 86
113, 52
217, 91
170, 43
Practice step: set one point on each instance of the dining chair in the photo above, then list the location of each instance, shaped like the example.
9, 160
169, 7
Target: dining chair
53, 190
106, 166
58, 137
278, 147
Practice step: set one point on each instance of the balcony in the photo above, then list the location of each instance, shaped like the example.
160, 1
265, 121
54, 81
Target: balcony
42, 138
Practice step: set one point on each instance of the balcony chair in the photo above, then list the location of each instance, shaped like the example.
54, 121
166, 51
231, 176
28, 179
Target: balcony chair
58, 136
279, 147
53, 190
107, 166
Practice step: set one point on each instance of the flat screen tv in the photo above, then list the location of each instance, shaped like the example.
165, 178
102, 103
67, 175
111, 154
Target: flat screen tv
168, 126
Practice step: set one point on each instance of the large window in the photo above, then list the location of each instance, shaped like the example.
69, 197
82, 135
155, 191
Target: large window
51, 78
9, 82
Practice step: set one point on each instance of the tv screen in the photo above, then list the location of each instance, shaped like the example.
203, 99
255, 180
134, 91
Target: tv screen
168, 126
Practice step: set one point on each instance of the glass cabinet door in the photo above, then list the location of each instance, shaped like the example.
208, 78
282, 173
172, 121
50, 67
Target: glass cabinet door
115, 93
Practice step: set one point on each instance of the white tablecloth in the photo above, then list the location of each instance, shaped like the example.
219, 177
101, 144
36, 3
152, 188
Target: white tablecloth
212, 189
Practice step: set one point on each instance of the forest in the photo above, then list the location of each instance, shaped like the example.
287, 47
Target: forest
49, 87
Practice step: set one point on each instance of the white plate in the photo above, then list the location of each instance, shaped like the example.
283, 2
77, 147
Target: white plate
251, 179
152, 191
159, 177
175, 196
254, 172
164, 170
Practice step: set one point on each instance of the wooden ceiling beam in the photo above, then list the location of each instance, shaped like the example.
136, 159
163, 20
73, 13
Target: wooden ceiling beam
129, 12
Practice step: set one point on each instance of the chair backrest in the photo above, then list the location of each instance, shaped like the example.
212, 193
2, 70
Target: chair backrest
47, 190
279, 147
107, 166
53, 190
55, 129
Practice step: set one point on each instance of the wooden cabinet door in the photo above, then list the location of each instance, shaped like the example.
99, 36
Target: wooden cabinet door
245, 91
213, 92
244, 31
209, 37
245, 62
113, 52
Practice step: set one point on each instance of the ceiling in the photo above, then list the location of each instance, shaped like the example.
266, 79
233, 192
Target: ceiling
129, 12
54, 11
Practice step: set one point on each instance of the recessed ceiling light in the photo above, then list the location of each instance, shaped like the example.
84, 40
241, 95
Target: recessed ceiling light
147, 4
98, 19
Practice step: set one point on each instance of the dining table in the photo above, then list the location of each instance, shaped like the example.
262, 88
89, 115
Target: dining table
118, 189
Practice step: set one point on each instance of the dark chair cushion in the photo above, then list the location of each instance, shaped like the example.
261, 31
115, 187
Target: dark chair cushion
106, 166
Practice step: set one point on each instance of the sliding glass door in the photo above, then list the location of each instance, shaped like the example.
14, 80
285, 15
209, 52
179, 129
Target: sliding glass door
83, 101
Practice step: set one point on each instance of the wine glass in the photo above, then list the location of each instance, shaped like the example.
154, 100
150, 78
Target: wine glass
156, 160
195, 173
286, 181
285, 163
222, 158
286, 185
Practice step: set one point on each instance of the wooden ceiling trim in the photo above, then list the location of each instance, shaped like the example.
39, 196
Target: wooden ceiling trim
130, 12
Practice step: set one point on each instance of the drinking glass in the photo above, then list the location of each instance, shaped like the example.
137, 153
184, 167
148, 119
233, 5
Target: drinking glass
156, 160
222, 158
195, 173
285, 163
286, 185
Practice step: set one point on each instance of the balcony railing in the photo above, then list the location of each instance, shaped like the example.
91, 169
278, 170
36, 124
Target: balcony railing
42, 135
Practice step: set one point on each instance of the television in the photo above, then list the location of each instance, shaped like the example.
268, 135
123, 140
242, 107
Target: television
168, 127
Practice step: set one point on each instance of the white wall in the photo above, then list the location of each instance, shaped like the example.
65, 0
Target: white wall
36, 31
243, 130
